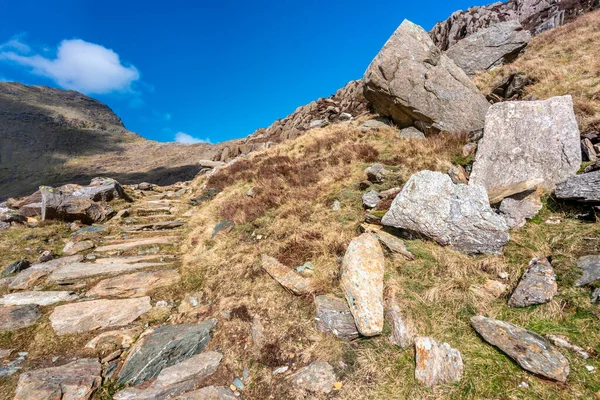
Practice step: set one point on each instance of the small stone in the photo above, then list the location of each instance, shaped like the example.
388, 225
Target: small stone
563, 341
469, 149
72, 248
437, 363
337, 206
362, 283
590, 265
364, 185
401, 336
410, 133
46, 255
590, 368
237, 382
531, 351
371, 199
281, 370
395, 245
222, 228
523, 385
15, 267
258, 334
334, 316
121, 339
503, 275
318, 377
306, 269
537, 285
376, 173
458, 175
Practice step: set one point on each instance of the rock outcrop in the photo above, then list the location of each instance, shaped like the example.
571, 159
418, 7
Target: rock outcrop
491, 47
362, 283
527, 140
415, 84
528, 349
453, 215
536, 16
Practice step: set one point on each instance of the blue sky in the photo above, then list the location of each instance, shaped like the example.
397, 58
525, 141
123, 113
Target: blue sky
204, 70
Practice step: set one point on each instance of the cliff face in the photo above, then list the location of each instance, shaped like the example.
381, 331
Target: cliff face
535, 15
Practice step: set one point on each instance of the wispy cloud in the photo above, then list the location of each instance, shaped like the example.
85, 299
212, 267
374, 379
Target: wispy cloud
184, 138
78, 65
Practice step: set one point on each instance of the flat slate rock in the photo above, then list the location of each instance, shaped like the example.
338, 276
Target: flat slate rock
74, 381
97, 314
134, 285
133, 259
437, 364
584, 188
154, 226
73, 272
393, 244
334, 316
163, 347
362, 283
401, 336
209, 393
531, 351
16, 317
590, 265
453, 215
318, 377
537, 285
526, 140
37, 297
72, 248
28, 278
176, 379
286, 277
132, 244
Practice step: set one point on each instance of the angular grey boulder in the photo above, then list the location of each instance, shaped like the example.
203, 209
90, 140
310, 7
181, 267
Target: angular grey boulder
492, 47
371, 199
518, 209
453, 215
163, 347
531, 351
415, 84
590, 265
525, 140
537, 285
584, 188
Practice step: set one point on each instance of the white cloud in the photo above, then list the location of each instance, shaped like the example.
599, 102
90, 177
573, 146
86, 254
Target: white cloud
79, 65
184, 138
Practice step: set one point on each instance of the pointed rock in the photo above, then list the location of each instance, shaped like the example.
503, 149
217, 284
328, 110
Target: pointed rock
590, 265
456, 215
334, 316
528, 349
362, 283
437, 364
286, 277
134, 285
98, 314
74, 381
175, 380
537, 285
163, 347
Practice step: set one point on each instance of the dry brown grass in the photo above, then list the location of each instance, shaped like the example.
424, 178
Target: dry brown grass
561, 61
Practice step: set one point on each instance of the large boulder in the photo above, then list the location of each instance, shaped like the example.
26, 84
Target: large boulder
525, 140
163, 347
57, 204
528, 349
415, 84
489, 48
77, 380
453, 215
362, 283
101, 189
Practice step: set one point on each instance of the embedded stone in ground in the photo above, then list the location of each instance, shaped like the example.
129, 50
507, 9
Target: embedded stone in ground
537, 285
97, 314
528, 349
37, 297
402, 336
72, 248
362, 283
154, 226
175, 380
73, 272
134, 285
318, 377
131, 244
393, 244
74, 381
286, 277
16, 317
26, 279
163, 347
209, 393
584, 188
518, 209
437, 364
590, 265
334, 316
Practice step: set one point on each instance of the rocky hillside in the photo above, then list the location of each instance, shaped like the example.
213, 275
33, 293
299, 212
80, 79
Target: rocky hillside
535, 15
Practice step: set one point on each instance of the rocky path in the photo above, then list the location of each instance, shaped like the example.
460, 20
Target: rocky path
108, 281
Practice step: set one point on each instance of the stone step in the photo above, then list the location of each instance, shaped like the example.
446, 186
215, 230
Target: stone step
134, 285
144, 212
26, 279
37, 298
134, 259
122, 245
153, 226
71, 273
